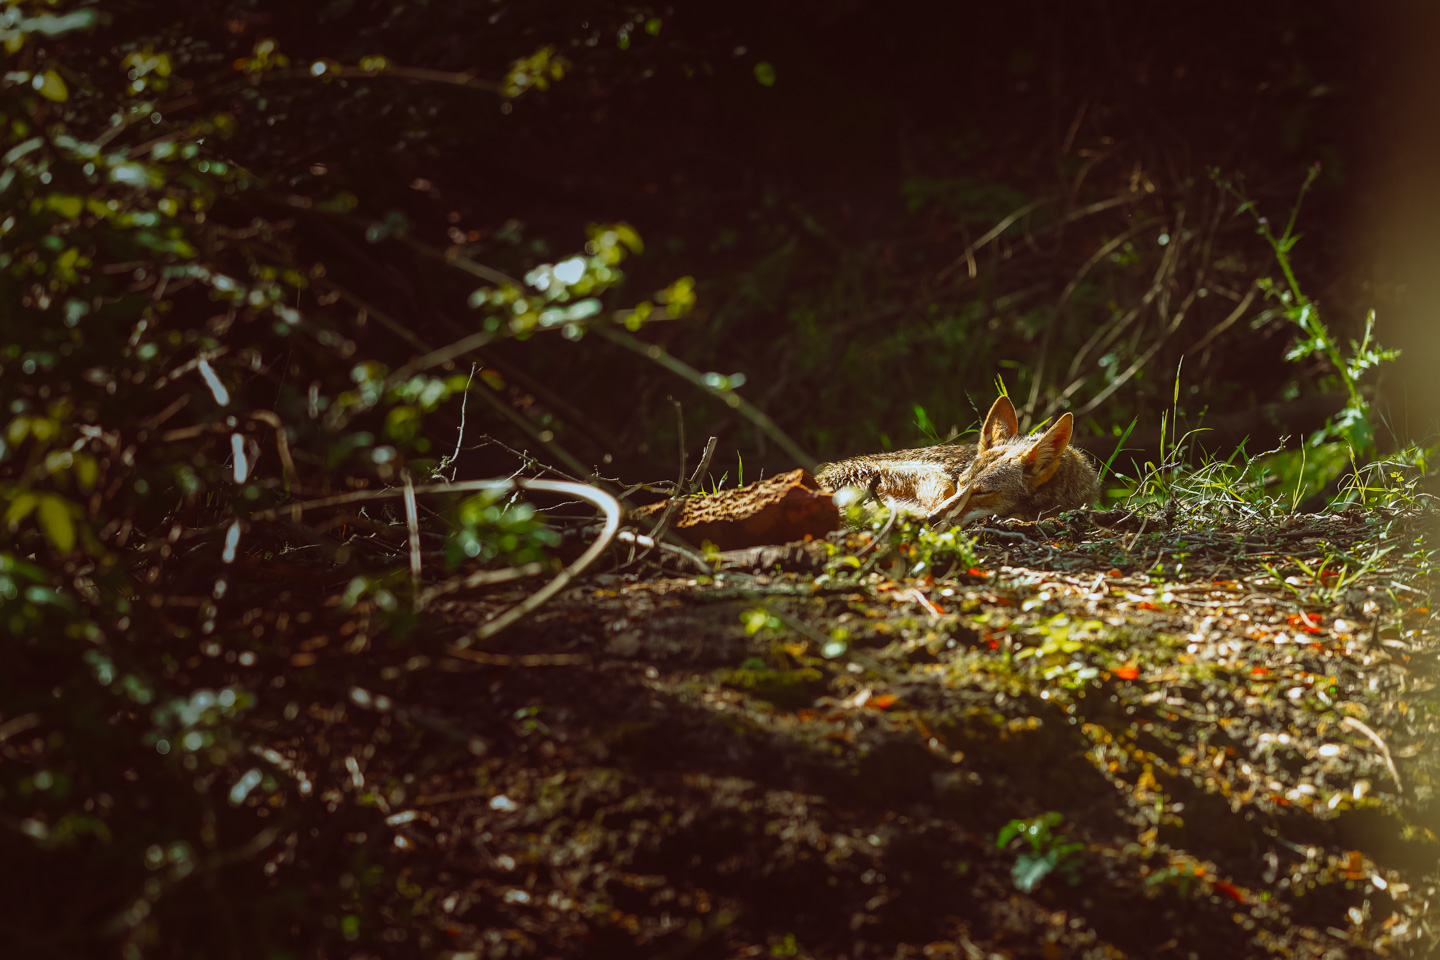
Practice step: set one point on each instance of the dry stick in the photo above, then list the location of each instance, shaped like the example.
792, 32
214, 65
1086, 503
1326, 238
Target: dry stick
412, 524
1107, 332
676, 495
1195, 348
969, 255
381, 317
444, 354
1354, 724
451, 255
282, 446
437, 357
591, 494
1135, 367
1033, 400
460, 434
731, 399
586, 492
455, 78
1225, 324
650, 543
684, 488
680, 488
480, 578
528, 428
551, 398
1074, 127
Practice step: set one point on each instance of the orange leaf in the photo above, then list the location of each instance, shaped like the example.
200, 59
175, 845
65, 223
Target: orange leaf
1230, 890
1127, 672
882, 701
1259, 671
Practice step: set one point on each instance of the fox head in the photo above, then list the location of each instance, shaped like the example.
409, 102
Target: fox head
1016, 476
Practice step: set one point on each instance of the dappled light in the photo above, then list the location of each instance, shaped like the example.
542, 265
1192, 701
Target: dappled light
514, 480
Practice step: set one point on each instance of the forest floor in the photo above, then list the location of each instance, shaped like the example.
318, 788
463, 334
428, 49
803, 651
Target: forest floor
1155, 739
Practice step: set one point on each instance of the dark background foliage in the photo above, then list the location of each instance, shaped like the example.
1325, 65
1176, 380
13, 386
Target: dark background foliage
832, 210
832, 175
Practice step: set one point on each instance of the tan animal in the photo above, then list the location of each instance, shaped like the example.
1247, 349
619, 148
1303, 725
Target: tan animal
1004, 475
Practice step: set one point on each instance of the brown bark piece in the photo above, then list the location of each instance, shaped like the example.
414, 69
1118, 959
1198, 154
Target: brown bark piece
785, 507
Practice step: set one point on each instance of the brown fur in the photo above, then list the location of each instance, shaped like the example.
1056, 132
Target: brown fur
1004, 475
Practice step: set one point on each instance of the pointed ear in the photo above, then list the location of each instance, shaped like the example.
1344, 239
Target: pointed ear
1044, 456
1000, 424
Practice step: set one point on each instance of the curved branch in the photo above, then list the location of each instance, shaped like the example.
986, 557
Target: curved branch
593, 495
604, 501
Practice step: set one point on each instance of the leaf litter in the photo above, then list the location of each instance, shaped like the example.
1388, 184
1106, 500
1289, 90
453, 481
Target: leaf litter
1195, 740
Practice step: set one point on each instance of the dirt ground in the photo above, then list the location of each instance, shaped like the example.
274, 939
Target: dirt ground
1151, 739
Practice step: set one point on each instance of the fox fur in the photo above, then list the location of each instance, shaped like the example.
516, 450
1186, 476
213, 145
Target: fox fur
1004, 475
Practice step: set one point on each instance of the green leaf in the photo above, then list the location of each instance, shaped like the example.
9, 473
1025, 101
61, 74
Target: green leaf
66, 204
1009, 832
1029, 870
87, 472
19, 509
53, 26
51, 87
57, 523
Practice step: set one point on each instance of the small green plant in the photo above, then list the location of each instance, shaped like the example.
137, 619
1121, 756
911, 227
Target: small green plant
760, 618
1326, 584
489, 528
1352, 427
714, 486
1049, 851
925, 425
928, 549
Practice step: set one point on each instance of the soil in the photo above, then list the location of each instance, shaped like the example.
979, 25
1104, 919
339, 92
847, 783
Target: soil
1103, 736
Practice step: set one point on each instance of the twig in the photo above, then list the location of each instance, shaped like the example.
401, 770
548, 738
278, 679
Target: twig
1064, 301
729, 397
677, 496
412, 524
1117, 382
969, 255
528, 428
683, 489
480, 578
437, 357
593, 495
924, 601
650, 543
586, 492
460, 434
456, 78
1355, 724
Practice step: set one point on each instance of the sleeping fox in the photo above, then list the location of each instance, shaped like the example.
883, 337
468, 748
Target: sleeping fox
1004, 475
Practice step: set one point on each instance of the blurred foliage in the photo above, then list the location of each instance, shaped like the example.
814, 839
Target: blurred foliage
176, 358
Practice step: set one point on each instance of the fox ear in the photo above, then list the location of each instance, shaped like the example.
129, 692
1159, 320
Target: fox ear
1044, 456
1000, 423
